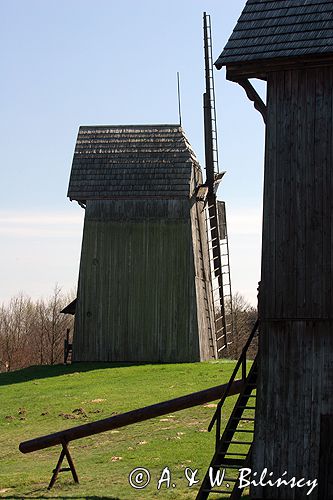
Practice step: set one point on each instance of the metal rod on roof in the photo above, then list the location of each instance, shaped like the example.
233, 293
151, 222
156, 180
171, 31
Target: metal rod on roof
179, 101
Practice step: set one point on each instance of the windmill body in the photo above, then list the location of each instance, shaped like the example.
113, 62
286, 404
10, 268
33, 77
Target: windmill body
144, 290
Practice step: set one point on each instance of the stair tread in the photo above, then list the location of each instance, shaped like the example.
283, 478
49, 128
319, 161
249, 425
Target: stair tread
225, 466
237, 454
237, 442
230, 429
248, 431
233, 461
206, 490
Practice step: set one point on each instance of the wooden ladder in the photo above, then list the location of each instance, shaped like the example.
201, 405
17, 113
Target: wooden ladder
233, 448
218, 299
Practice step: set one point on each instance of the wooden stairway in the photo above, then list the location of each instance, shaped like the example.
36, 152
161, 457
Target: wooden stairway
233, 448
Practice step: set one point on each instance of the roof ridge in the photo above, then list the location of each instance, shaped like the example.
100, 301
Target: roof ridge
153, 125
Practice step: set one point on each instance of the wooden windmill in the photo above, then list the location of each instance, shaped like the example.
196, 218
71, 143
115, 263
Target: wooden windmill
289, 44
144, 290
151, 282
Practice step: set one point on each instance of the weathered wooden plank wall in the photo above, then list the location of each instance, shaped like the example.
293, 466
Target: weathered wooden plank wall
296, 266
296, 341
325, 478
138, 299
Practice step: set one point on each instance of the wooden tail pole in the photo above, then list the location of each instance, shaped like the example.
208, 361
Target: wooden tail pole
128, 418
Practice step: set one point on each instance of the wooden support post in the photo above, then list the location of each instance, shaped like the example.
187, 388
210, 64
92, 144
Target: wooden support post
64, 453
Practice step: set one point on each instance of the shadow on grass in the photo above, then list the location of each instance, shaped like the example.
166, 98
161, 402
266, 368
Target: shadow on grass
70, 497
45, 371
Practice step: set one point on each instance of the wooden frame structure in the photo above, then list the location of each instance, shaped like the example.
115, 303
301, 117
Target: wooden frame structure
290, 45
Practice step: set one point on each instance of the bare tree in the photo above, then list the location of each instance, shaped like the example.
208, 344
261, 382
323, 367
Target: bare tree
33, 332
51, 326
244, 317
16, 324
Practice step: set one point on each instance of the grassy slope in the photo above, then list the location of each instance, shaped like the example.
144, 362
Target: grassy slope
34, 401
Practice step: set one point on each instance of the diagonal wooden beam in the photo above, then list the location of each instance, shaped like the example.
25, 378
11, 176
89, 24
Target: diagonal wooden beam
253, 95
131, 417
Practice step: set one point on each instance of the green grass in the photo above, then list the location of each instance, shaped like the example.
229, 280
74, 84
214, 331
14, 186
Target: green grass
42, 400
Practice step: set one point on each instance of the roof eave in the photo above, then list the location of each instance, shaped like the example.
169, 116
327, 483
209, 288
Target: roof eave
261, 67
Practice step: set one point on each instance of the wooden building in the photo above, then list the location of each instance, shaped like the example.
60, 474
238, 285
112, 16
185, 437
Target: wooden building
289, 43
144, 292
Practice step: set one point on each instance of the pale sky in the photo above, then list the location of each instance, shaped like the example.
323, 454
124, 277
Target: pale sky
67, 63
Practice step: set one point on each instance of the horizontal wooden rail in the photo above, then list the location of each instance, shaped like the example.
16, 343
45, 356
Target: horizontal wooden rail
130, 417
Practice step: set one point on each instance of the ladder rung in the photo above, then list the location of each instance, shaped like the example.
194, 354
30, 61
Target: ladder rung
216, 491
214, 258
233, 467
238, 442
237, 454
244, 430
229, 462
222, 337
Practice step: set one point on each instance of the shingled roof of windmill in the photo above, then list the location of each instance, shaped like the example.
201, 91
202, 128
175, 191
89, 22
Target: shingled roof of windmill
131, 161
270, 29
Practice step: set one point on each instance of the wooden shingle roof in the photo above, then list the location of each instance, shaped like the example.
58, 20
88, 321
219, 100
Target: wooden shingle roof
269, 29
131, 161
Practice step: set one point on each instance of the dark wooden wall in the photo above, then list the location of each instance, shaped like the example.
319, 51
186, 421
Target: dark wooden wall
296, 338
143, 282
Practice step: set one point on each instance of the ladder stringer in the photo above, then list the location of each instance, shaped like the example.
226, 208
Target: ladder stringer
234, 449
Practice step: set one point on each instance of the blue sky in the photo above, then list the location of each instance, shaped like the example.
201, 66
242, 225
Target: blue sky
67, 63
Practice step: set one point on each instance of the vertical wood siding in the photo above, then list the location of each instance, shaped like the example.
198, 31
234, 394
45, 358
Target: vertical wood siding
298, 201
296, 342
137, 298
